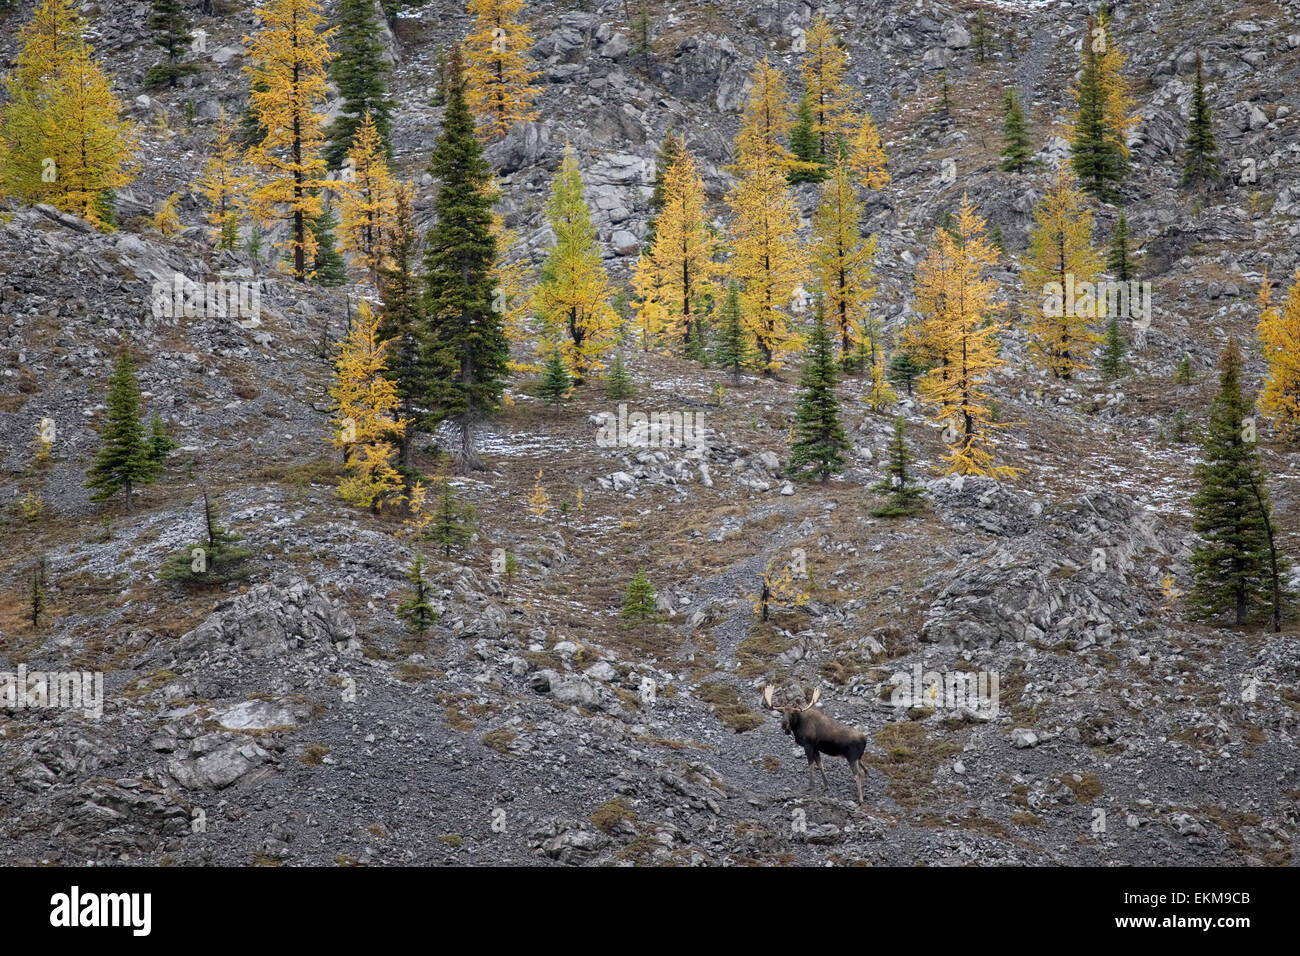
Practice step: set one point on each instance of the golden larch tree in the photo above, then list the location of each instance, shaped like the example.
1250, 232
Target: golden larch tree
514, 281
768, 260
365, 420
958, 334
1059, 260
650, 291
841, 262
368, 204
765, 122
572, 296
867, 156
224, 183
1279, 334
63, 140
684, 250
499, 82
823, 66
287, 87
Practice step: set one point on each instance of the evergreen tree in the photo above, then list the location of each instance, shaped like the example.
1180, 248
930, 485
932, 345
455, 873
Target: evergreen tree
465, 347
1118, 263
287, 87
1097, 147
161, 445
360, 73
171, 32
618, 381
416, 611
216, 558
252, 131
1183, 373
820, 441
1017, 146
1236, 568
732, 350
642, 39
38, 591
450, 527
981, 36
639, 605
399, 317
327, 267
1112, 353
904, 369
945, 95
439, 78
904, 499
1200, 163
123, 459
810, 164
556, 384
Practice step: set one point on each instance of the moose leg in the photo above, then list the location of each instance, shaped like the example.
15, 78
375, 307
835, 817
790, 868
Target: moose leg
858, 774
825, 783
811, 779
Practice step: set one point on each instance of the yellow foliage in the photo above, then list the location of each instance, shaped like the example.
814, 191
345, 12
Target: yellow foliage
368, 205
366, 418
768, 259
223, 181
62, 137
841, 259
1279, 334
823, 66
778, 588
765, 123
165, 219
288, 56
684, 249
882, 393
539, 502
499, 83
867, 154
1059, 259
958, 337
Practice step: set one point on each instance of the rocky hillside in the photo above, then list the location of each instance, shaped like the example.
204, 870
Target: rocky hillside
293, 719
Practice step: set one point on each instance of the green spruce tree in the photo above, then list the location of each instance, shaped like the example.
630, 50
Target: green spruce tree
416, 611
171, 32
1118, 262
360, 73
1017, 146
556, 385
161, 445
1095, 152
123, 459
1112, 350
618, 381
400, 321
465, 350
820, 442
1200, 160
731, 350
328, 266
904, 370
452, 525
1236, 567
215, 558
810, 165
639, 604
904, 498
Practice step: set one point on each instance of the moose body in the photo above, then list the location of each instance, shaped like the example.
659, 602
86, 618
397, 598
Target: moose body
818, 734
